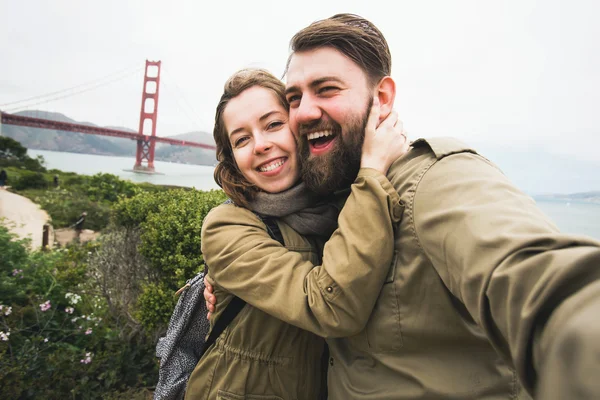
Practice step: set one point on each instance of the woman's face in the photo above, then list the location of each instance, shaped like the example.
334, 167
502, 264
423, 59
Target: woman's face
262, 143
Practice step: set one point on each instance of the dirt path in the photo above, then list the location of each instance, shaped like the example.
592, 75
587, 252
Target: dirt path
26, 219
23, 217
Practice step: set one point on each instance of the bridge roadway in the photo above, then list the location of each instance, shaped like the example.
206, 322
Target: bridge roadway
12, 119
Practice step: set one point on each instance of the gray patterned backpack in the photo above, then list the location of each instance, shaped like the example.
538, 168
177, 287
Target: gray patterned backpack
186, 339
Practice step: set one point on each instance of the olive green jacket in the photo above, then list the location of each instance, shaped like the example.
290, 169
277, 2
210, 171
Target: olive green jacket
259, 356
478, 269
484, 296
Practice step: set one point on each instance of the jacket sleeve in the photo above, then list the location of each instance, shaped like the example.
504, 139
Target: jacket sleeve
334, 299
503, 258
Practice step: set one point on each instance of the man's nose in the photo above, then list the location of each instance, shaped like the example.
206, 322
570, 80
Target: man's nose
307, 111
261, 144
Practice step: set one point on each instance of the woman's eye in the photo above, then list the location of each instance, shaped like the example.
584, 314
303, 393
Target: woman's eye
240, 141
274, 124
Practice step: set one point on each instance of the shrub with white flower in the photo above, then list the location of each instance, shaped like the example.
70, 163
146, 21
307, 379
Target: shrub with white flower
73, 298
87, 359
45, 306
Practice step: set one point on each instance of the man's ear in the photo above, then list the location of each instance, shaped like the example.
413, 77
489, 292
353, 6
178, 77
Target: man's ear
386, 91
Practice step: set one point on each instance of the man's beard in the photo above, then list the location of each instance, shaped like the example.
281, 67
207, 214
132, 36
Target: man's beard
336, 170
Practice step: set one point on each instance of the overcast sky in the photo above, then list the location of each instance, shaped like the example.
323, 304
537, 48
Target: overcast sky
516, 73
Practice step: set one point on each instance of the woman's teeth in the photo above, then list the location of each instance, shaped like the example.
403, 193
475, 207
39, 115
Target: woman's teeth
272, 166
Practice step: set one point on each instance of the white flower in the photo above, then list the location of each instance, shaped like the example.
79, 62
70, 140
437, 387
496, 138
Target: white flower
8, 311
87, 359
45, 340
73, 298
69, 310
4, 336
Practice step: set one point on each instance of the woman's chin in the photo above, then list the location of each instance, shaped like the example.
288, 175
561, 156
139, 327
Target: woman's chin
279, 186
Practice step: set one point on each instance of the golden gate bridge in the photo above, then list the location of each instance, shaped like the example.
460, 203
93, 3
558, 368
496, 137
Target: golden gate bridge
145, 137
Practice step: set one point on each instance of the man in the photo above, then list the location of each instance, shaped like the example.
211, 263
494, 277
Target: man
79, 224
3, 178
485, 298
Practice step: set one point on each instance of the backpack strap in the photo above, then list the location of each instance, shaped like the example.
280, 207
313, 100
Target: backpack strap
236, 304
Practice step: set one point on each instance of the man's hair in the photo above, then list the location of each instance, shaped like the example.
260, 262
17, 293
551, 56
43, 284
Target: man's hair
227, 174
354, 37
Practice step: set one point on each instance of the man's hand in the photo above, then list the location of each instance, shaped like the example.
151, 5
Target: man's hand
211, 300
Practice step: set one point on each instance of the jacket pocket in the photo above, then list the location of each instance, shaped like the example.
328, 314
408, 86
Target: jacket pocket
223, 395
382, 333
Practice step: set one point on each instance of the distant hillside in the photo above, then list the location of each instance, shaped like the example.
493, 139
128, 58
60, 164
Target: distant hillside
54, 140
46, 139
585, 197
538, 172
188, 155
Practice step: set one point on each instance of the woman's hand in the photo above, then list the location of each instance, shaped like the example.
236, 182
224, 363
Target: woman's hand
385, 143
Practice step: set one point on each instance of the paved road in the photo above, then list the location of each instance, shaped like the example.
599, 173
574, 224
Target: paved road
23, 217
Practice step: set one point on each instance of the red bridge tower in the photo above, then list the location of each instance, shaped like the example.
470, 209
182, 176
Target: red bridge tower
148, 113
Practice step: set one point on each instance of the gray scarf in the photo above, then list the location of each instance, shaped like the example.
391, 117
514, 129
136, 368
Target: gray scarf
305, 211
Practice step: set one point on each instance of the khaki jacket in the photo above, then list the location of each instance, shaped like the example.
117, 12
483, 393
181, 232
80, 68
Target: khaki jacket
470, 306
477, 271
259, 356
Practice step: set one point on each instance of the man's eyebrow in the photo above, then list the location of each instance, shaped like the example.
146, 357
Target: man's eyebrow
314, 83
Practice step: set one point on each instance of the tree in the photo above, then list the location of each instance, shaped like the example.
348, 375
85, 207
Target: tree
11, 148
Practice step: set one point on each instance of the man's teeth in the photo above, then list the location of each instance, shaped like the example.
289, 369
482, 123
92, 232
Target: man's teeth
271, 167
316, 135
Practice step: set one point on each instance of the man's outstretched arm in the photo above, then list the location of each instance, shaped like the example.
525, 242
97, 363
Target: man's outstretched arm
532, 289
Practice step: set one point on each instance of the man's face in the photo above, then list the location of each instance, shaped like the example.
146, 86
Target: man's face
329, 103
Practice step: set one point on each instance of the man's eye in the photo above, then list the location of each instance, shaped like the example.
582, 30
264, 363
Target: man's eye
293, 99
327, 89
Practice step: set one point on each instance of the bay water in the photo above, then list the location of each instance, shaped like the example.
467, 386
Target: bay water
571, 217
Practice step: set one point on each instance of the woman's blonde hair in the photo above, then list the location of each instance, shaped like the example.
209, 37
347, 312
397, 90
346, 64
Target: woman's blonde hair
227, 174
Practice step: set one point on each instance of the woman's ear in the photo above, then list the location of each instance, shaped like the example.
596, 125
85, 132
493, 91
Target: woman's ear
386, 91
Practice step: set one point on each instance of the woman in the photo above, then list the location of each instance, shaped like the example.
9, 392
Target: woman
259, 356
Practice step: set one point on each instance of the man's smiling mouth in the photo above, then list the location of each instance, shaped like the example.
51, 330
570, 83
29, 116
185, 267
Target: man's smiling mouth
321, 139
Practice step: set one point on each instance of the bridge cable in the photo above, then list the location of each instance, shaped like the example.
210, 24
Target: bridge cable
96, 83
179, 95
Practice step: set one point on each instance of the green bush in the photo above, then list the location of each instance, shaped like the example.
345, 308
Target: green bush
57, 337
30, 180
107, 187
13, 154
65, 207
170, 223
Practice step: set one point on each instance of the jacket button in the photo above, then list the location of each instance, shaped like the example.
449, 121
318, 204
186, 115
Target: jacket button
329, 289
331, 361
398, 210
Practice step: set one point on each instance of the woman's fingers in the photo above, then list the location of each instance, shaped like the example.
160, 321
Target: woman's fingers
373, 120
